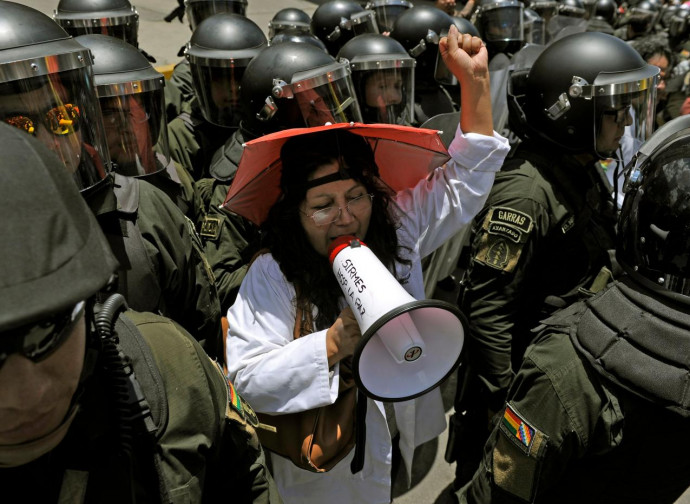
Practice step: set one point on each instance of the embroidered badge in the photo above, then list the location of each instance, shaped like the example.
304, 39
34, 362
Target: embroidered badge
518, 427
505, 231
568, 224
242, 406
210, 227
511, 217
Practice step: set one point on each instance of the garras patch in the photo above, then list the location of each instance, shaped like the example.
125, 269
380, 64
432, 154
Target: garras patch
504, 233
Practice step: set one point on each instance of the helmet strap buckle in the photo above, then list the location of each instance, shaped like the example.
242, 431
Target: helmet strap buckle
560, 107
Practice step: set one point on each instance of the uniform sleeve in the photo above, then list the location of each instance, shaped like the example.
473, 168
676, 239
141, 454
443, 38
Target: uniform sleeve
507, 234
548, 423
273, 371
183, 146
185, 277
208, 446
229, 244
440, 206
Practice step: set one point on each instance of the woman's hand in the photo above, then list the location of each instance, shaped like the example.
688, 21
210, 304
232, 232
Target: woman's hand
342, 337
466, 56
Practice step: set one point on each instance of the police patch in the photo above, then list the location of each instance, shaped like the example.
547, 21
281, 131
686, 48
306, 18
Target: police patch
210, 227
511, 217
505, 231
516, 426
242, 406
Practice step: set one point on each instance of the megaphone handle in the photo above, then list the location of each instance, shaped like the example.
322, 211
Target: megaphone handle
360, 433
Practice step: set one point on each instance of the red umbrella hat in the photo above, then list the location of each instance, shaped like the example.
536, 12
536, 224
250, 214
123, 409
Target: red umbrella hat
404, 156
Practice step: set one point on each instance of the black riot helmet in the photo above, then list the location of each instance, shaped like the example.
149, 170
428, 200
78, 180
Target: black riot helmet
47, 90
643, 16
130, 93
383, 76
679, 24
54, 255
387, 11
500, 24
465, 26
546, 9
654, 226
535, 29
298, 36
572, 8
292, 85
581, 92
117, 18
337, 21
219, 51
419, 30
606, 10
289, 18
198, 10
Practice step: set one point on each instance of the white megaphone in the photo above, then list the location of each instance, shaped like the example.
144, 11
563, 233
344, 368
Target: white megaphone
408, 346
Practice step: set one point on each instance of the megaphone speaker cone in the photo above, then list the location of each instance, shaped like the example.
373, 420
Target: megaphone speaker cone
408, 346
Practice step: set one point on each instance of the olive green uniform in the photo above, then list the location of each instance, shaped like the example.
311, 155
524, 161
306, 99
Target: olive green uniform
193, 140
179, 90
597, 413
162, 265
229, 240
543, 234
202, 446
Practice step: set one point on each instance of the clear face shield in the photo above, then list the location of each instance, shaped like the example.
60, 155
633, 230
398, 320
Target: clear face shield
197, 11
275, 27
324, 95
217, 85
135, 126
385, 90
60, 109
124, 27
546, 10
624, 112
387, 11
502, 26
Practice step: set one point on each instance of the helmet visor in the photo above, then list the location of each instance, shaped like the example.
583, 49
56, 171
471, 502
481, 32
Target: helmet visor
60, 110
327, 97
218, 89
364, 22
121, 27
386, 94
135, 128
198, 11
387, 11
624, 116
502, 24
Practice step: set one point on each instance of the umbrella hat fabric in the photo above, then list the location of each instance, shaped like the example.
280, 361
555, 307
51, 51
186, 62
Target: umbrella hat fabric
404, 155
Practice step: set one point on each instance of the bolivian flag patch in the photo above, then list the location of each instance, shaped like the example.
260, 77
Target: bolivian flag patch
515, 425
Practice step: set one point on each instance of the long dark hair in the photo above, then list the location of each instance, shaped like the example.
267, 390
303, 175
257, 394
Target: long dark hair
285, 238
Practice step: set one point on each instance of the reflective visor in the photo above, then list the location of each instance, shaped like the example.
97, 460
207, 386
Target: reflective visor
60, 110
326, 97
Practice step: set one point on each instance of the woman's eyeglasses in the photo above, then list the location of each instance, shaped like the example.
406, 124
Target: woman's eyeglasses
61, 120
38, 341
331, 214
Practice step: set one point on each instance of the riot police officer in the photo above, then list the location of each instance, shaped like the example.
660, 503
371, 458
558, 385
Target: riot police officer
117, 18
130, 94
47, 91
198, 10
387, 11
604, 17
500, 25
597, 411
289, 18
219, 51
383, 76
419, 30
337, 21
547, 226
97, 402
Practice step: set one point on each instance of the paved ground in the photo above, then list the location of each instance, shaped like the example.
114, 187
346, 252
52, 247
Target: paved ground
432, 476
